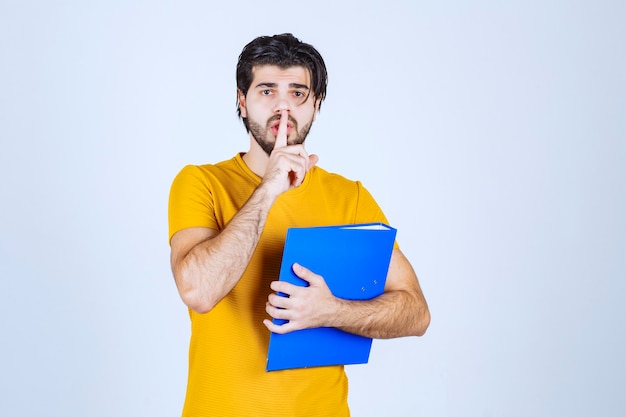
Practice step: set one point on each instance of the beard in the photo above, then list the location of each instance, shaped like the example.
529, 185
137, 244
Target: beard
264, 137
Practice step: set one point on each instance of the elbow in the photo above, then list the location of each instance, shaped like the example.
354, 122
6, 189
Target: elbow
193, 295
421, 322
196, 301
197, 305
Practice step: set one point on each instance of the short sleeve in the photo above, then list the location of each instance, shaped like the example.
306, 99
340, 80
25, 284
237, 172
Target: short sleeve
191, 202
368, 210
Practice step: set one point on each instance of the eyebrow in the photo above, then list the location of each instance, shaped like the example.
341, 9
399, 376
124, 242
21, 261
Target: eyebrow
292, 85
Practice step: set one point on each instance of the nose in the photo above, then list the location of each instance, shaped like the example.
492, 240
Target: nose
282, 103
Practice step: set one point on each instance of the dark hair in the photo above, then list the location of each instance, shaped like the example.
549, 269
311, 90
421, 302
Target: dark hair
284, 51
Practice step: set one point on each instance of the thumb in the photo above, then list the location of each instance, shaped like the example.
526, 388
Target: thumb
304, 273
313, 159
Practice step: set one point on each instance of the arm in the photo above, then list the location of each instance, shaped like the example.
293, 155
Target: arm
400, 311
207, 263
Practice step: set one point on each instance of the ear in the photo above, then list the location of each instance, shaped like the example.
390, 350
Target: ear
241, 97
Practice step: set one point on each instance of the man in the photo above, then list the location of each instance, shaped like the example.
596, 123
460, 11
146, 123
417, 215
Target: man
227, 229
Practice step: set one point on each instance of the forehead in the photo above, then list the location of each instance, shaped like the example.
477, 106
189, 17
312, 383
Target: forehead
265, 74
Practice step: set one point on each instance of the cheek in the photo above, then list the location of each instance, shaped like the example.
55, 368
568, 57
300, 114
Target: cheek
308, 117
306, 114
255, 111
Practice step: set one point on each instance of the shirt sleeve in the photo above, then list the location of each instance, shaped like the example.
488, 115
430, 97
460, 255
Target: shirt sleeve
191, 202
368, 210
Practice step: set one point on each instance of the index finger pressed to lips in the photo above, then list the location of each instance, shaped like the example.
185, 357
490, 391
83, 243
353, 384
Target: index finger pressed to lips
281, 135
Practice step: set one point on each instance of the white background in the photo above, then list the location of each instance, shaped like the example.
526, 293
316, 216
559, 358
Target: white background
492, 133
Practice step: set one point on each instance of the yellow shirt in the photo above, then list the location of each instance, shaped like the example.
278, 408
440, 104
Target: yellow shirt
228, 347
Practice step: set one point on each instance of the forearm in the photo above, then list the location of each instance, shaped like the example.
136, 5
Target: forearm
400, 311
392, 314
211, 269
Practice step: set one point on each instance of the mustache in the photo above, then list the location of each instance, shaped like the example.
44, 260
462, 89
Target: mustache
277, 117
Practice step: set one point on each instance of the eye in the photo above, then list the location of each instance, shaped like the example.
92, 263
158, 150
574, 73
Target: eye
266, 92
298, 94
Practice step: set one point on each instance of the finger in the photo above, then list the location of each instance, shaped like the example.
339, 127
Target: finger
313, 159
278, 287
275, 328
284, 288
277, 301
276, 312
281, 135
305, 273
296, 177
298, 173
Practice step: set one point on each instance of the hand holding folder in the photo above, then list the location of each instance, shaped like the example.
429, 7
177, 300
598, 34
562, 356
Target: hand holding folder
354, 261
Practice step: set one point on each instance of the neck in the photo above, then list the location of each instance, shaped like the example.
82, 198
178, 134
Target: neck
256, 159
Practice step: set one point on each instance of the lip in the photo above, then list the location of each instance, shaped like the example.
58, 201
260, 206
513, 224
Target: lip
274, 127
274, 130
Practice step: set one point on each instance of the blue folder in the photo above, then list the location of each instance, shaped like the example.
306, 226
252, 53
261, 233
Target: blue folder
354, 261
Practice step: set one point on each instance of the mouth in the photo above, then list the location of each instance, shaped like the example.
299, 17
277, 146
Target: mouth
274, 127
